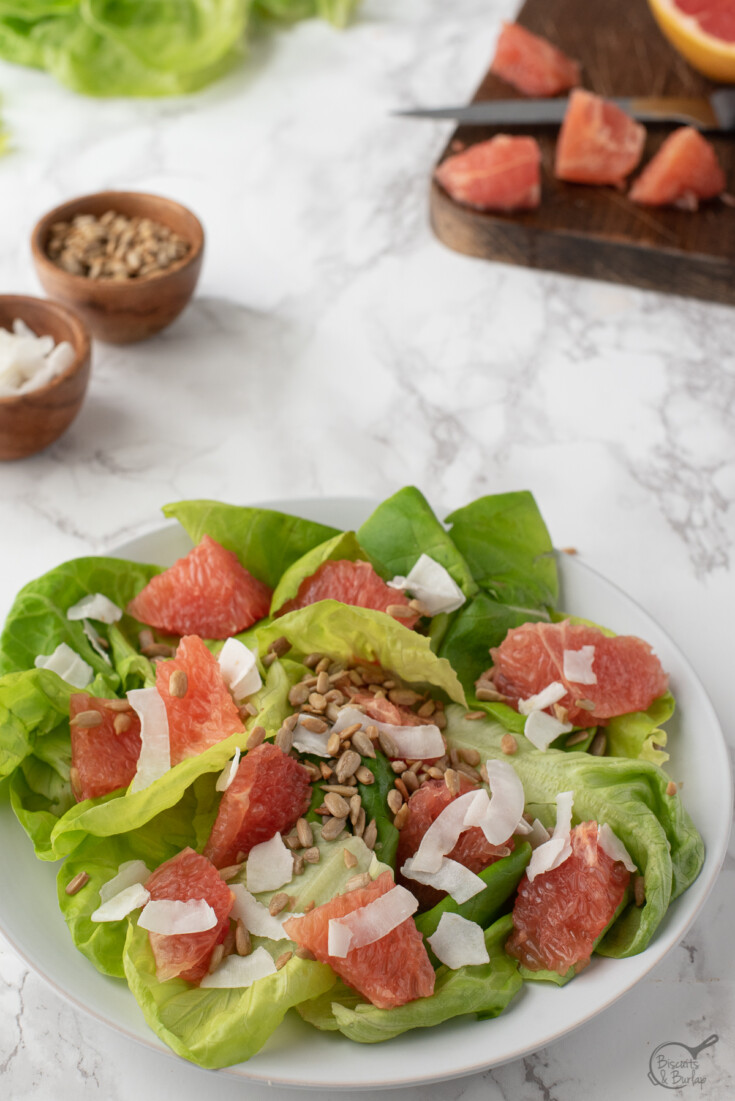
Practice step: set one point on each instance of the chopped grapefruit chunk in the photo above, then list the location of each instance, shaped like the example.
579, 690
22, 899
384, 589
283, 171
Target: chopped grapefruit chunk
684, 170
389, 972
598, 143
207, 593
500, 174
531, 64
269, 794
103, 757
354, 583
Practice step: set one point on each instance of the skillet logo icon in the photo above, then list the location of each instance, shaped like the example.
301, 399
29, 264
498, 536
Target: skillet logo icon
674, 1065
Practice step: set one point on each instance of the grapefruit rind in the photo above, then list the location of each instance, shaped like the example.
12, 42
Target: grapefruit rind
714, 57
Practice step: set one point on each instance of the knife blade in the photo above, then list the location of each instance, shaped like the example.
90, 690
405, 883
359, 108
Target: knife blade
714, 112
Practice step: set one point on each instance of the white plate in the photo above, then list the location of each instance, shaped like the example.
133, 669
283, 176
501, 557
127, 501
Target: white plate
298, 1055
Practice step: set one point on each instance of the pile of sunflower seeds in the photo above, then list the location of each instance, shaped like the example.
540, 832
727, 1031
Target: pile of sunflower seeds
114, 247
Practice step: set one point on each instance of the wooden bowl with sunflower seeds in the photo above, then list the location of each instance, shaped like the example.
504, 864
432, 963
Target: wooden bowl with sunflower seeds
126, 262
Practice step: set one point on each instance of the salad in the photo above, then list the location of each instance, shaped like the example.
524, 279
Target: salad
374, 776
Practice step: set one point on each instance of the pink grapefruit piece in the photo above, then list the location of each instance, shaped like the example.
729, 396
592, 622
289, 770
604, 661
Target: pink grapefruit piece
206, 713
104, 757
207, 593
598, 142
390, 972
684, 170
559, 915
354, 583
531, 64
268, 795
188, 876
502, 174
629, 675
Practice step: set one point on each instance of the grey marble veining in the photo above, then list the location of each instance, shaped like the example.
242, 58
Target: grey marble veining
336, 348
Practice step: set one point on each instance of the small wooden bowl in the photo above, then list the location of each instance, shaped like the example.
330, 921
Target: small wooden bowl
32, 421
126, 311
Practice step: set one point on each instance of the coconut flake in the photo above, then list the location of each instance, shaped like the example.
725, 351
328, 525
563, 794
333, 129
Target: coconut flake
129, 872
552, 693
538, 835
556, 850
171, 917
443, 833
374, 921
306, 741
239, 669
459, 882
256, 917
458, 942
239, 972
228, 773
269, 866
418, 743
121, 904
339, 939
542, 729
611, 844
95, 640
67, 664
498, 819
578, 665
155, 748
95, 606
432, 585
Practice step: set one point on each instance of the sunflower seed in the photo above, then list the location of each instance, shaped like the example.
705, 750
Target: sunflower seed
304, 953
322, 682
216, 958
340, 789
426, 710
394, 800
362, 744
599, 744
333, 744
87, 719
451, 779
312, 855
399, 784
332, 828
283, 960
387, 744
410, 779
316, 726
278, 903
243, 943
304, 833
470, 756
639, 889
311, 660
404, 697
279, 646
269, 660
322, 665
298, 695
292, 842
671, 788
577, 737
178, 684
284, 739
357, 882
402, 817
355, 808
256, 737
586, 705
400, 611
230, 872
489, 695
508, 744
121, 723
158, 650
364, 775
348, 763
118, 705
471, 716
298, 864
76, 884
358, 826
349, 858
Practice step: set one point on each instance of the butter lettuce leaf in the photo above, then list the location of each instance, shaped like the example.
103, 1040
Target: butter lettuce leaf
629, 795
501, 880
342, 547
640, 734
484, 989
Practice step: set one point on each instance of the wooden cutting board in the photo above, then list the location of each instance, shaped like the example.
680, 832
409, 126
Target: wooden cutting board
596, 231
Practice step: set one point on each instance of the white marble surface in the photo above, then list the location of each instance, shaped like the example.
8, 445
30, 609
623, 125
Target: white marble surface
335, 347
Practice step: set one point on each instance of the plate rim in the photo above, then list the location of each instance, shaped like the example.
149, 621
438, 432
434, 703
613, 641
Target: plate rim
247, 1071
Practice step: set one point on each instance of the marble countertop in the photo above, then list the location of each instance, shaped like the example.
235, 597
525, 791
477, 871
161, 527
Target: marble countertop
335, 348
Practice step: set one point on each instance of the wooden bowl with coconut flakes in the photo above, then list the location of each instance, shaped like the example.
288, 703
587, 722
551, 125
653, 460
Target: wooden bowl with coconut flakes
125, 261
35, 411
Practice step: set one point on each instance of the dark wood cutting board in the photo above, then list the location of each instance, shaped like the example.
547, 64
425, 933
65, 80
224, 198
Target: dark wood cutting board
596, 231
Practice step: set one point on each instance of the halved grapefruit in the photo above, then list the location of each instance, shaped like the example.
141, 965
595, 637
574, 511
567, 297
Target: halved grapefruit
684, 170
207, 593
503, 174
392, 971
598, 143
703, 31
531, 64
559, 916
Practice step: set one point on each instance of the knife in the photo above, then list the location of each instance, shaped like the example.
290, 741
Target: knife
714, 112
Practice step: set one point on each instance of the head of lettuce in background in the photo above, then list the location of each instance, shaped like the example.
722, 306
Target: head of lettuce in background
142, 47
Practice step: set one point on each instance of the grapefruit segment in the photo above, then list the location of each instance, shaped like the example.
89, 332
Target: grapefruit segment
206, 713
531, 64
684, 170
269, 794
103, 757
472, 849
703, 31
629, 675
188, 876
207, 593
500, 174
389, 972
559, 915
354, 583
598, 143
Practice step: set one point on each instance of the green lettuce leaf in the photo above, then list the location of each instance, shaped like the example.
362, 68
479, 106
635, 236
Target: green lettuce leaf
347, 634
340, 547
501, 880
265, 541
374, 798
403, 528
506, 544
639, 733
630, 795
484, 989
